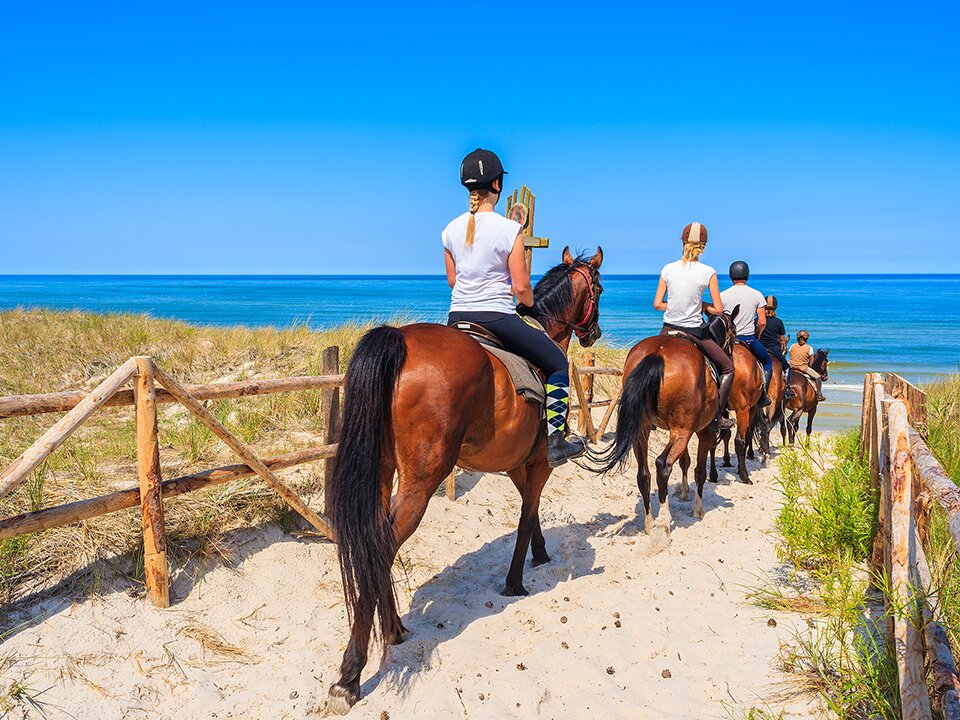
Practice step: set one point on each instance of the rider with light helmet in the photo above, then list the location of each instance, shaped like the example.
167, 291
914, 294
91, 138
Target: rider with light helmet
485, 264
680, 297
800, 355
751, 320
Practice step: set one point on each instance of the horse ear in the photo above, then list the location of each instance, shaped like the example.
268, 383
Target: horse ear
597, 259
567, 257
736, 311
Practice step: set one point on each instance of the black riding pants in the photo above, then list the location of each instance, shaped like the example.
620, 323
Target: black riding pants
519, 338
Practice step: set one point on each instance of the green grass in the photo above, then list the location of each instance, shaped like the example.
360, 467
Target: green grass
825, 531
943, 424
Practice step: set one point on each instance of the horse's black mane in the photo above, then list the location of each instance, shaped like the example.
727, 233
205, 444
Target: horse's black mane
553, 292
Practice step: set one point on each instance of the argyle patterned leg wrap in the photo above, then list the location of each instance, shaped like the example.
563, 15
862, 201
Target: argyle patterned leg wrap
558, 402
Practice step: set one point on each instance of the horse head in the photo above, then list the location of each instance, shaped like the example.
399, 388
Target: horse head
722, 329
820, 362
566, 299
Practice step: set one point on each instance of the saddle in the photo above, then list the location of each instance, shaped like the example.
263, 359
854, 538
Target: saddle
525, 376
710, 364
799, 373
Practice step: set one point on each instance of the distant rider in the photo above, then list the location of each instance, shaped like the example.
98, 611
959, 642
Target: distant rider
774, 338
683, 283
750, 321
800, 355
485, 266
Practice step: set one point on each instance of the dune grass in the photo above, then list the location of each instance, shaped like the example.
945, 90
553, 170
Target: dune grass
47, 351
943, 424
825, 529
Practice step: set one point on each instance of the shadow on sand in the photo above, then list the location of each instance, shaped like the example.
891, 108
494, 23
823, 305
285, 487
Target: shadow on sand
469, 591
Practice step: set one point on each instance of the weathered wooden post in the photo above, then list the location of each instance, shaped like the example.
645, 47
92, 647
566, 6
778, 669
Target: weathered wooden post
156, 570
589, 360
907, 617
330, 409
520, 208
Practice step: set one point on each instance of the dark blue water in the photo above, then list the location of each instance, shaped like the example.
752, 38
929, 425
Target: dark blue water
909, 324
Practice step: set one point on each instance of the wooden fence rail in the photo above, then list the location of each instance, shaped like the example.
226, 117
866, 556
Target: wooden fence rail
151, 386
906, 478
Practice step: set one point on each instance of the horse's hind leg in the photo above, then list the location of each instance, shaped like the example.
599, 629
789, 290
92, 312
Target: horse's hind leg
706, 439
725, 436
676, 446
684, 469
750, 431
740, 445
714, 477
530, 480
643, 478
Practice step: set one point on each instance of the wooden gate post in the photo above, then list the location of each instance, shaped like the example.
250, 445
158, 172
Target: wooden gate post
156, 570
330, 400
589, 360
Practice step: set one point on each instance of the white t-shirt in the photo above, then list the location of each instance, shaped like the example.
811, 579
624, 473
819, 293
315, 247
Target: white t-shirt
483, 275
749, 300
686, 282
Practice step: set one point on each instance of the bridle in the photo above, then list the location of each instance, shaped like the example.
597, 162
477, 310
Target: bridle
591, 318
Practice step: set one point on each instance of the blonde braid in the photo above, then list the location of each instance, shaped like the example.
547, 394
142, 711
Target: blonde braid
472, 222
693, 251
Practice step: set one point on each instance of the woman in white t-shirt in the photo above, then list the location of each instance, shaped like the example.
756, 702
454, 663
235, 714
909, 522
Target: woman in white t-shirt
485, 264
680, 296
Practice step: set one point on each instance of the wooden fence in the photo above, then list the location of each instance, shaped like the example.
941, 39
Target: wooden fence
144, 375
907, 479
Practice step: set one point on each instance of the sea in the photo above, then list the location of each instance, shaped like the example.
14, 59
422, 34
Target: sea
908, 324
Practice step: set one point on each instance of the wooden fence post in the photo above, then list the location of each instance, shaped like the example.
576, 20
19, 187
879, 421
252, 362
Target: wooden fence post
581, 399
156, 570
907, 618
589, 360
450, 484
331, 417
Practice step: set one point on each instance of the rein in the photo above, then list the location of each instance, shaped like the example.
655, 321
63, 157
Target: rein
586, 324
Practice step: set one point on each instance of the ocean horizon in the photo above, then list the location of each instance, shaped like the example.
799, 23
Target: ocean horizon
905, 323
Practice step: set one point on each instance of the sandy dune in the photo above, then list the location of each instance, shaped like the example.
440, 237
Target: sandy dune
619, 625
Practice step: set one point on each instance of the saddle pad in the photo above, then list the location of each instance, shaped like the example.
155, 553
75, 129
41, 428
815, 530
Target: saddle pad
525, 379
713, 368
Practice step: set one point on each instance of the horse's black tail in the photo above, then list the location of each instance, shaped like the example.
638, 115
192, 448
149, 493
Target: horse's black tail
637, 411
365, 541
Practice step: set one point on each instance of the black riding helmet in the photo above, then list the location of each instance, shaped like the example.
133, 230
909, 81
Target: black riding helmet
739, 270
479, 169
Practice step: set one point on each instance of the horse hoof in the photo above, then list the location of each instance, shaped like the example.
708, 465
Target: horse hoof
401, 635
536, 562
746, 481
726, 464
514, 591
340, 700
713, 478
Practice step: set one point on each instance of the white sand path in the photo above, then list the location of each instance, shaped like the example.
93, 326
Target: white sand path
619, 625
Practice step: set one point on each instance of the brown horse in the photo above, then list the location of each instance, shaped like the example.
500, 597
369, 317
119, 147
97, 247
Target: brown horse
667, 384
805, 395
752, 420
419, 400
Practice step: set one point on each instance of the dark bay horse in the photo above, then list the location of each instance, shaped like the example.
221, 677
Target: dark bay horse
419, 400
805, 395
667, 384
763, 421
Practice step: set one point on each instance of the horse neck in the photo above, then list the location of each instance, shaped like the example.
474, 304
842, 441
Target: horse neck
558, 332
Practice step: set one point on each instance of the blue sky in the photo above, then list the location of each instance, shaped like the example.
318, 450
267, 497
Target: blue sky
292, 138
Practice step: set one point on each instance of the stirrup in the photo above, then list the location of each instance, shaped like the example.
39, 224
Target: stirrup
560, 448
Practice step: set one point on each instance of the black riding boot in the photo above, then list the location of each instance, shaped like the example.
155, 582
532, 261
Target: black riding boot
788, 392
559, 448
723, 392
765, 398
